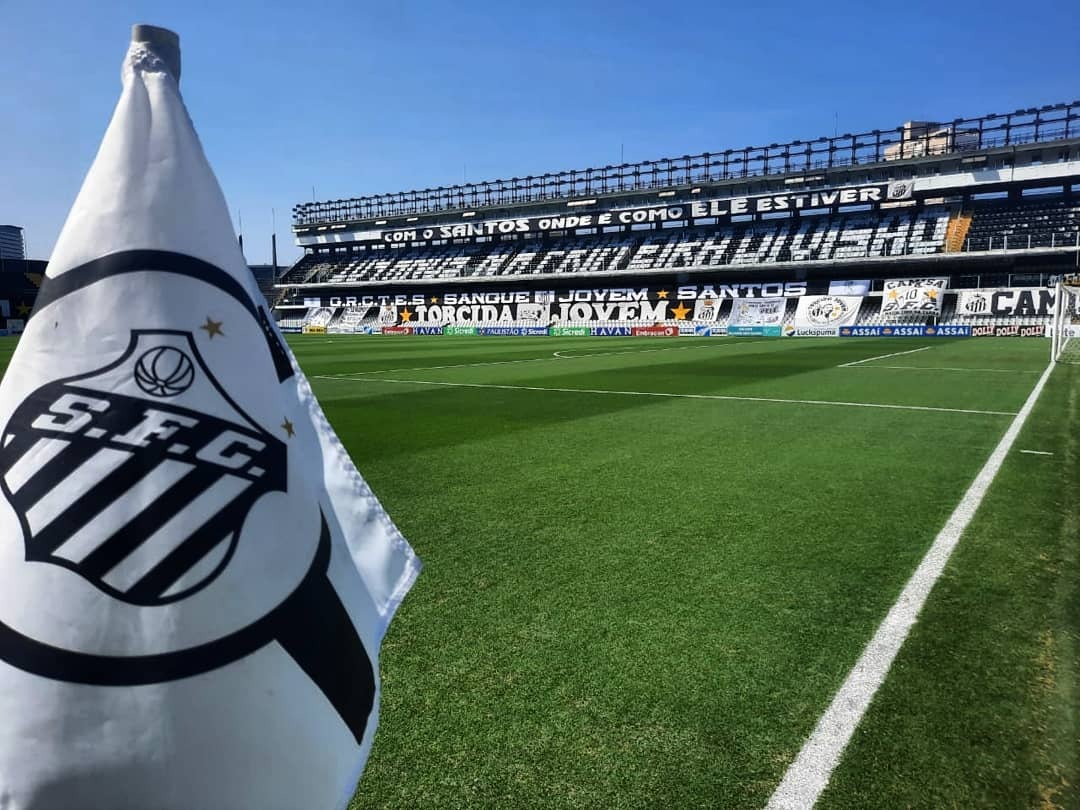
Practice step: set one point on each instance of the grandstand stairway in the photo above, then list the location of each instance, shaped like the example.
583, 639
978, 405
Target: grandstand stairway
957, 232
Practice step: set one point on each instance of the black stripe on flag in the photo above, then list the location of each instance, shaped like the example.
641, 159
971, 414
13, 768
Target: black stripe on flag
94, 501
138, 530
52, 473
185, 557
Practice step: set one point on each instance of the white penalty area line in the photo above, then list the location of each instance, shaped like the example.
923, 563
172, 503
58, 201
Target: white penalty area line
713, 345
808, 775
665, 394
547, 358
953, 368
1037, 452
882, 357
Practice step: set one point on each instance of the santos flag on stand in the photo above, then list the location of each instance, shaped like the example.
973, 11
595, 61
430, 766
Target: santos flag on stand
194, 578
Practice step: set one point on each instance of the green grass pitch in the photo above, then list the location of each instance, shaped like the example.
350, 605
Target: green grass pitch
649, 564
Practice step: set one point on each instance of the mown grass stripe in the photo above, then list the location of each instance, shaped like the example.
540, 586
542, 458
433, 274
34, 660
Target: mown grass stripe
662, 394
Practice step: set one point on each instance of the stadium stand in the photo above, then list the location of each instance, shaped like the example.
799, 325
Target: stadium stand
853, 236
918, 213
1034, 224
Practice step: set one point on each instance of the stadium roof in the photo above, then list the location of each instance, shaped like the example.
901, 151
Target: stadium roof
1051, 122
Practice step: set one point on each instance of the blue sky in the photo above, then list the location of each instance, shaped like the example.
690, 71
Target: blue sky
356, 98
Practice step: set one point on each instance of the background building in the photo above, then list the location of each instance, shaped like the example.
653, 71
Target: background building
12, 245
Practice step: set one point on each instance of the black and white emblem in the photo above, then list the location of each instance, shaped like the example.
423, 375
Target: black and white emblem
78, 452
167, 530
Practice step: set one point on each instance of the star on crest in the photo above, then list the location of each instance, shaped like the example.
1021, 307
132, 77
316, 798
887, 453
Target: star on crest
287, 426
212, 327
23, 308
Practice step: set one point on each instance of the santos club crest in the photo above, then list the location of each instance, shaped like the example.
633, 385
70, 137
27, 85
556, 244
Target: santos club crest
167, 530
152, 437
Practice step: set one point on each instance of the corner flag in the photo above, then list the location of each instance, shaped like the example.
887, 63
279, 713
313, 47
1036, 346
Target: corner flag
194, 578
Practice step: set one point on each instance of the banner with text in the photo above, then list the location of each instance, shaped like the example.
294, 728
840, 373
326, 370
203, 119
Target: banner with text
760, 312
905, 297
720, 209
907, 330
1006, 302
543, 308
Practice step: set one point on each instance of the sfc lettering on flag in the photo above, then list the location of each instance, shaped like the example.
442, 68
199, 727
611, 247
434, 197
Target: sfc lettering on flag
194, 578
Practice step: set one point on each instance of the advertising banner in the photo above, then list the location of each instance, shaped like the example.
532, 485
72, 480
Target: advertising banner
609, 331
1009, 330
913, 296
512, 331
570, 331
827, 310
427, 330
791, 330
760, 331
907, 330
458, 331
710, 331
397, 330
655, 331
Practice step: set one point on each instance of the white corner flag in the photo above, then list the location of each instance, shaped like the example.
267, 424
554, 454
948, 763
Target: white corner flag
194, 578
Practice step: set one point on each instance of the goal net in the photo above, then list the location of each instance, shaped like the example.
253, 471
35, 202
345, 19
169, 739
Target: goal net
1065, 333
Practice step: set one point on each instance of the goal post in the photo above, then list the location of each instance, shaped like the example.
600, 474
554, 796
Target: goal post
1064, 333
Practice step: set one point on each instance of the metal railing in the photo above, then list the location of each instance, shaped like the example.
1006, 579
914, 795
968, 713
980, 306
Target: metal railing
1022, 241
921, 139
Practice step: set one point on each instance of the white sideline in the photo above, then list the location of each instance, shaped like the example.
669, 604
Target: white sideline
722, 397
882, 357
808, 775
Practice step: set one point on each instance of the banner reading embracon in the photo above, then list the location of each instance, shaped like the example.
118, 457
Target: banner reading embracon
904, 297
194, 578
